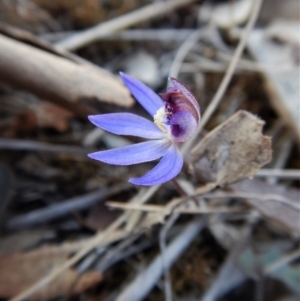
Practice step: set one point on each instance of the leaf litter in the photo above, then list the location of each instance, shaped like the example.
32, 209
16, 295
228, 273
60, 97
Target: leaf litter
47, 169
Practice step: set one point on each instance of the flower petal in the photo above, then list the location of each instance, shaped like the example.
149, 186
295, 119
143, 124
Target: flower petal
183, 126
144, 95
127, 124
189, 95
169, 167
133, 154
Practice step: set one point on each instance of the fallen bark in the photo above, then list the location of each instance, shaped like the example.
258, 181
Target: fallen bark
56, 78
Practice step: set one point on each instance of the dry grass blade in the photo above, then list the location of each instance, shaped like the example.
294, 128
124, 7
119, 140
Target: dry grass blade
280, 173
164, 210
36, 146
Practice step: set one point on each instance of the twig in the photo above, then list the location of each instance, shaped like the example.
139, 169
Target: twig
150, 11
183, 50
163, 249
162, 35
280, 173
166, 210
63, 208
208, 65
228, 75
139, 288
262, 197
177, 202
253, 66
28, 145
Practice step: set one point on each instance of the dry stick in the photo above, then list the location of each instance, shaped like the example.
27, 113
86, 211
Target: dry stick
280, 173
155, 9
162, 209
228, 75
29, 145
163, 247
172, 206
131, 35
183, 50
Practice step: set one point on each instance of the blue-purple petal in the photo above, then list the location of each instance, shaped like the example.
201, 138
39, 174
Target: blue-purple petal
143, 94
133, 154
168, 168
189, 95
183, 126
127, 124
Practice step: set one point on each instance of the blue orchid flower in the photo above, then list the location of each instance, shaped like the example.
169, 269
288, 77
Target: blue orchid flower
176, 117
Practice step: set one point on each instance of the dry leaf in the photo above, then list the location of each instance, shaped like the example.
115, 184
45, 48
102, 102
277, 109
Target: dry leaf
234, 150
21, 270
282, 213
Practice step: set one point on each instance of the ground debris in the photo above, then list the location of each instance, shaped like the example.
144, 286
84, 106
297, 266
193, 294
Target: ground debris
67, 220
